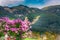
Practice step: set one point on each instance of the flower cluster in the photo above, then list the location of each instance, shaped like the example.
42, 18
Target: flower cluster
15, 25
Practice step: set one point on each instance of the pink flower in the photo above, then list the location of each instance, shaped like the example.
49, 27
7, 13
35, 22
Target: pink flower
18, 21
23, 23
24, 28
11, 22
11, 25
27, 22
7, 27
13, 29
16, 31
1, 20
7, 20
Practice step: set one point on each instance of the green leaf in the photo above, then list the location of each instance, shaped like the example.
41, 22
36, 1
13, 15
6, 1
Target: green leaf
12, 33
18, 25
1, 34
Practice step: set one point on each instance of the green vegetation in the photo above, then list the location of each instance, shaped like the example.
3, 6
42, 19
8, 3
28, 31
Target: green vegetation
47, 22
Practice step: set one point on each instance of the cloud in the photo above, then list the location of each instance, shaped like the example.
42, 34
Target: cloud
36, 6
7, 2
51, 3
47, 3
41, 4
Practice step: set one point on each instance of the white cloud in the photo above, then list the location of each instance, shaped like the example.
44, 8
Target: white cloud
36, 6
47, 3
7, 2
51, 3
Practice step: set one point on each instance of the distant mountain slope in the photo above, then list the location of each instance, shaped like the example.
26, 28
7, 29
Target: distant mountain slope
22, 11
53, 9
49, 20
18, 11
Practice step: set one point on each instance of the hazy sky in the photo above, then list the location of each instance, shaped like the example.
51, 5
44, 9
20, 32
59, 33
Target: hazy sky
30, 3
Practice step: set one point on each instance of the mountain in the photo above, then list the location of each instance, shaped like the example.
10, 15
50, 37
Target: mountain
18, 11
21, 11
49, 20
49, 16
52, 9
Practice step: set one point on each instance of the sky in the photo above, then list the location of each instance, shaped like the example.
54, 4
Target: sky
31, 3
